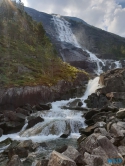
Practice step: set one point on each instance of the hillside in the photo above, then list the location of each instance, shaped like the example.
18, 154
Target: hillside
104, 44
27, 56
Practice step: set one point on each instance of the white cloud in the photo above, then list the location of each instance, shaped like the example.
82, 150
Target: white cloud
105, 14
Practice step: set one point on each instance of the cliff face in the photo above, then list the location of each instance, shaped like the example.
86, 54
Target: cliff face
18, 96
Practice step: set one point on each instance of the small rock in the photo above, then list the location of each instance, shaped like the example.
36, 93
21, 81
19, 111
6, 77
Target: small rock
25, 144
65, 134
103, 132
61, 149
115, 132
1, 132
121, 114
80, 104
34, 121
22, 111
90, 114
89, 122
5, 142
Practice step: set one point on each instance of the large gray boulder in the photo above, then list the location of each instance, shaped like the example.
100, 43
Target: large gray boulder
108, 147
90, 142
58, 159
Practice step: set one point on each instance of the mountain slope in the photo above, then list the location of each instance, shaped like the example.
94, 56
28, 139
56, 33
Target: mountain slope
27, 57
106, 45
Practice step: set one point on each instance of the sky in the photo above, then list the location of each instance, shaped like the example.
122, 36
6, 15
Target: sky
108, 15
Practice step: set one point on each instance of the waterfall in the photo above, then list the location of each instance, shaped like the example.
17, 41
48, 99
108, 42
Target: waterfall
56, 120
64, 31
98, 61
65, 34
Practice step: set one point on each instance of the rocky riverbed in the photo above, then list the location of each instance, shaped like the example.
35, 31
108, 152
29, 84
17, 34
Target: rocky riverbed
79, 135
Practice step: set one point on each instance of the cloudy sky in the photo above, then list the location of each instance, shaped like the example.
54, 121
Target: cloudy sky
105, 14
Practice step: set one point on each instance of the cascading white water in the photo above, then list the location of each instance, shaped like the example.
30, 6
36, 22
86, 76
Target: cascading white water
118, 64
92, 86
64, 31
65, 34
98, 61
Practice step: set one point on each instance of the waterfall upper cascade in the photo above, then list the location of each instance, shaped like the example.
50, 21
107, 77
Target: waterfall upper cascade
65, 34
64, 31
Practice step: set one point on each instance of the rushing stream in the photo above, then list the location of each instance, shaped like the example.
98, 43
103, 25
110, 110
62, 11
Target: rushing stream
57, 121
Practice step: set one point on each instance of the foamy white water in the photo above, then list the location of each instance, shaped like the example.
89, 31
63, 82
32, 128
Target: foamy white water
118, 64
92, 86
98, 61
64, 31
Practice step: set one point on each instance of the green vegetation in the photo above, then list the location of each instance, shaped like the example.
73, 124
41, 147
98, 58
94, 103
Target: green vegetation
27, 57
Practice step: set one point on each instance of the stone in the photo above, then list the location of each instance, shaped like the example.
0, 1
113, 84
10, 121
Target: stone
121, 150
115, 132
61, 149
100, 152
22, 111
34, 121
3, 159
71, 152
13, 116
81, 138
108, 147
25, 144
89, 130
65, 134
93, 160
57, 159
101, 116
89, 122
90, 142
5, 142
95, 101
121, 114
74, 103
15, 161
43, 163
80, 104
108, 108
103, 132
1, 132
89, 114
28, 162
21, 152
12, 127
41, 107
